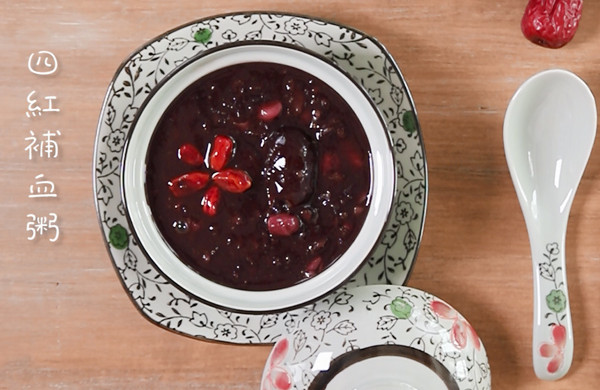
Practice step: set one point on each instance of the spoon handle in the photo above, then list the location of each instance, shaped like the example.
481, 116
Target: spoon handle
552, 328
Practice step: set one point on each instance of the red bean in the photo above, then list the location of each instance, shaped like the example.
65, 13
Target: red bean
314, 266
283, 224
269, 110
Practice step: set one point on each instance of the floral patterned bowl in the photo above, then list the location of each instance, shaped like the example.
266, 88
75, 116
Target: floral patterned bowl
377, 337
166, 260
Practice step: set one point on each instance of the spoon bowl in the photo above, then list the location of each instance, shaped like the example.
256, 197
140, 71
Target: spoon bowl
549, 130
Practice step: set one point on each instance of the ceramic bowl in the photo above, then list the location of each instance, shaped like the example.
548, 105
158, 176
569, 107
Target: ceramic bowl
166, 260
378, 338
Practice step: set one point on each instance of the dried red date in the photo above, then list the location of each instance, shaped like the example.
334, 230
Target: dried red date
551, 23
290, 166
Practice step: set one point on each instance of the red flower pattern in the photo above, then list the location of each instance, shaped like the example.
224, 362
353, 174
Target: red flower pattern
556, 349
219, 154
461, 329
276, 376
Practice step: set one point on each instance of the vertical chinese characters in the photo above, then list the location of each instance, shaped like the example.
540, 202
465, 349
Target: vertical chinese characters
44, 146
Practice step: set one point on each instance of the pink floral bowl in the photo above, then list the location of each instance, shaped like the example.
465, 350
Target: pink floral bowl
166, 259
378, 337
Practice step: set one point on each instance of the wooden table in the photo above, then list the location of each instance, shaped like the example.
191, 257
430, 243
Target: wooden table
68, 324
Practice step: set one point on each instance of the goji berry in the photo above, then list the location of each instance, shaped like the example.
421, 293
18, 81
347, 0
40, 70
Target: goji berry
232, 180
210, 201
189, 154
188, 183
221, 152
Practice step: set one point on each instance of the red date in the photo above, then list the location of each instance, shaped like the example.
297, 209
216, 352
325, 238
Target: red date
551, 23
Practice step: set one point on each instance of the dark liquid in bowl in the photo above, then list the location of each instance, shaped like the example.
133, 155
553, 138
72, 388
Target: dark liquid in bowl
258, 176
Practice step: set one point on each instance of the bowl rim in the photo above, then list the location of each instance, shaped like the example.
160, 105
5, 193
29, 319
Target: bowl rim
398, 351
387, 208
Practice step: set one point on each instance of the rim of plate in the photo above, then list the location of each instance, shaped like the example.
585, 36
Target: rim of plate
160, 296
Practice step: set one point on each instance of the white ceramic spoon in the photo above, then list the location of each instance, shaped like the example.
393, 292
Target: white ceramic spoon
549, 130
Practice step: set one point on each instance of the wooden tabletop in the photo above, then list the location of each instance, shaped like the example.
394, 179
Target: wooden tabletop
67, 323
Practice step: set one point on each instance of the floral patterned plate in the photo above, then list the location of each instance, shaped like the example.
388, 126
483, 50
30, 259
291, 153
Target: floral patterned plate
360, 55
377, 337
